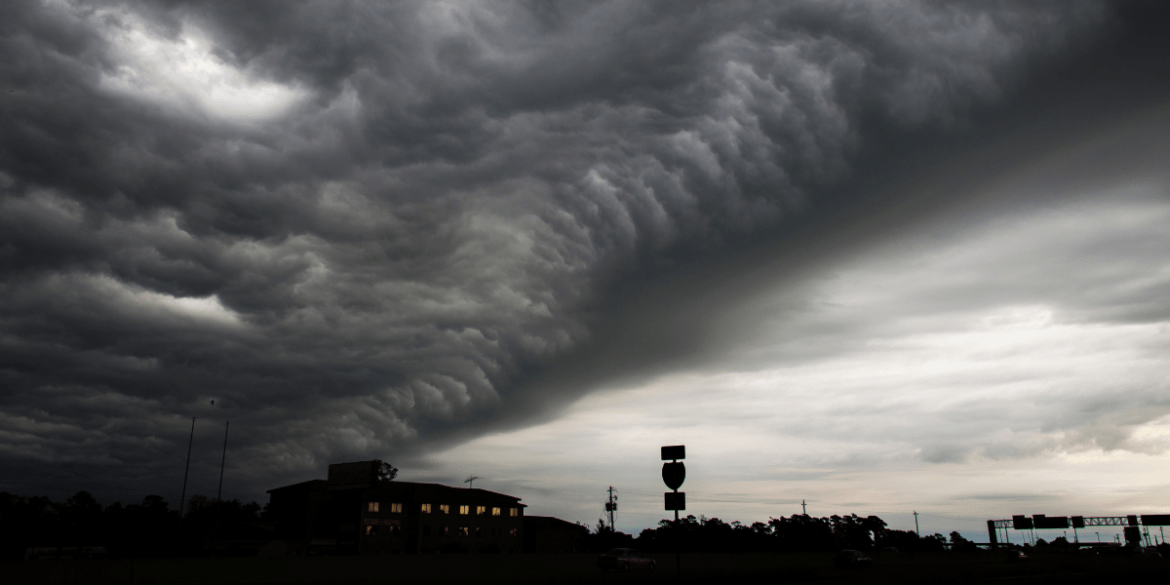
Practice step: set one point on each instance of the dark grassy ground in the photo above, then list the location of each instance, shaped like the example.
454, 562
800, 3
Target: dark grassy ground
569, 569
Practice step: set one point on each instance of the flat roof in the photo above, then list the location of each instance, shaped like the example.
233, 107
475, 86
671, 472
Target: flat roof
406, 484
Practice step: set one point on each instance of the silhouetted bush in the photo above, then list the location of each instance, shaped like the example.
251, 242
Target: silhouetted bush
146, 529
797, 533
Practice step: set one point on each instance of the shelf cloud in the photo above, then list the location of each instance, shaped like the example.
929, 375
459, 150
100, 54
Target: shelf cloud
381, 229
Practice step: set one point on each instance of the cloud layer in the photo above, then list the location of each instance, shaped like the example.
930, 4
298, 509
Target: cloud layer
362, 228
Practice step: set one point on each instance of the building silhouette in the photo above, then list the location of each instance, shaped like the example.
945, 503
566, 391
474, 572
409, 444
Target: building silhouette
353, 512
545, 534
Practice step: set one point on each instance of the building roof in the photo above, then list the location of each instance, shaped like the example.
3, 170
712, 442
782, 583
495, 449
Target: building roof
448, 491
304, 484
548, 522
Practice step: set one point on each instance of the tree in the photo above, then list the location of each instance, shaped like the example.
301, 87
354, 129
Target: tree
958, 543
386, 472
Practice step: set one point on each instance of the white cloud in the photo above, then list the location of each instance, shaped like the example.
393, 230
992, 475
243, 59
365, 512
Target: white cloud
183, 74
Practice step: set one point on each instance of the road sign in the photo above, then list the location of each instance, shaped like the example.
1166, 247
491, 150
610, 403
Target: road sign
674, 452
1021, 523
1156, 519
676, 501
674, 474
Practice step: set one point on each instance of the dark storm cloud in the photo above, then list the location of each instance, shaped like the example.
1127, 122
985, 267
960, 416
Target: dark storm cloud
435, 211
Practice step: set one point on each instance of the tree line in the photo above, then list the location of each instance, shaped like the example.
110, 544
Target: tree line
146, 529
796, 533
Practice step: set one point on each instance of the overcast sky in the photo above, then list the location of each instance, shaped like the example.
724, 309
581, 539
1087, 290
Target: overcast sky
879, 256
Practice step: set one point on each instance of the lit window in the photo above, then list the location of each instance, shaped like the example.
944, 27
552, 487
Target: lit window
444, 508
464, 531
495, 511
514, 512
464, 510
396, 508
371, 507
425, 508
369, 530
480, 510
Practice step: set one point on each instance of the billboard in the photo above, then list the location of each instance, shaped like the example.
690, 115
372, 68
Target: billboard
1156, 519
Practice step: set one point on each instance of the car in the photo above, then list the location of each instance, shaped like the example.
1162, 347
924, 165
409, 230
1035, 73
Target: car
852, 558
624, 559
1015, 556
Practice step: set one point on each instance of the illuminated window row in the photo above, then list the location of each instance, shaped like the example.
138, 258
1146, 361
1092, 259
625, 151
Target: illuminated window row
478, 531
464, 510
374, 507
376, 530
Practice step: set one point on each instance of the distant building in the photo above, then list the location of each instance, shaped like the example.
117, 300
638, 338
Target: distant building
545, 534
354, 513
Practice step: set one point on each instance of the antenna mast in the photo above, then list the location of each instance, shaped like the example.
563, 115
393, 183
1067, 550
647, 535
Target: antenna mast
471, 480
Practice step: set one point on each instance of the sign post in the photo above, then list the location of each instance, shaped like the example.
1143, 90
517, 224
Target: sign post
674, 473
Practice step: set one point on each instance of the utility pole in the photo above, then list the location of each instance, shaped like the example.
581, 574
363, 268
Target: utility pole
803, 508
219, 494
611, 507
916, 524
186, 471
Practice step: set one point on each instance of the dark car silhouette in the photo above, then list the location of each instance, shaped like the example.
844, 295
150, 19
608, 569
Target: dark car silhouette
852, 558
624, 559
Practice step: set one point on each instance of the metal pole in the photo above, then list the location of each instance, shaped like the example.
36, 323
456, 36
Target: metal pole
219, 493
610, 509
677, 548
186, 471
916, 525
